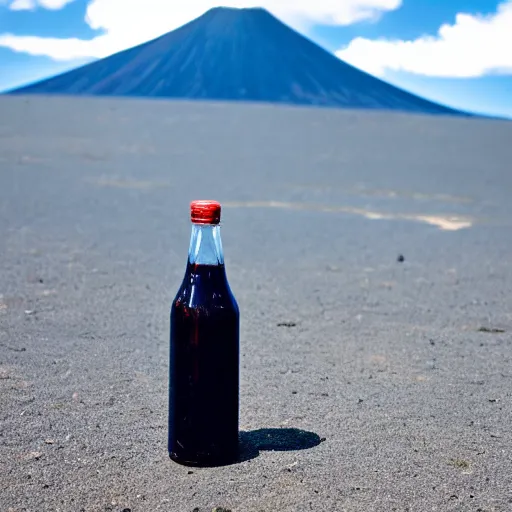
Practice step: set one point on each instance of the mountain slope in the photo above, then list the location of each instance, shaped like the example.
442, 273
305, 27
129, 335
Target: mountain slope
235, 54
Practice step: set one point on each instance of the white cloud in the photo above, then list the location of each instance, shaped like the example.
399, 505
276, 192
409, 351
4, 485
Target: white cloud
126, 23
53, 47
22, 5
475, 45
30, 5
54, 4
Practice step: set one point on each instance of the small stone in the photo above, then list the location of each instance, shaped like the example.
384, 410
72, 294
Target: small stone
460, 463
287, 324
49, 441
491, 330
34, 455
190, 473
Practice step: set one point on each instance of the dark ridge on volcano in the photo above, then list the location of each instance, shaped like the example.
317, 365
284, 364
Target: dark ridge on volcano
235, 54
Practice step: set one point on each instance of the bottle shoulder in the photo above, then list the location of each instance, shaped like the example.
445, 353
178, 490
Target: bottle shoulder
205, 289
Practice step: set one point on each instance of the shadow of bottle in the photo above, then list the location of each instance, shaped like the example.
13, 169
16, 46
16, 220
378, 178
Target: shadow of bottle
275, 439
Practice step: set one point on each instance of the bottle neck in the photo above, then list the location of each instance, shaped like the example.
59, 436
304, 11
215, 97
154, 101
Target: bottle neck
205, 245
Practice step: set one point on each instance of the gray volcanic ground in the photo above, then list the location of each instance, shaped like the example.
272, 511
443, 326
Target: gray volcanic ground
398, 374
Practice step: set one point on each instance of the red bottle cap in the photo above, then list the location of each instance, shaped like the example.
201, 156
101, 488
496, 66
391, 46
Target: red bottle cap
205, 212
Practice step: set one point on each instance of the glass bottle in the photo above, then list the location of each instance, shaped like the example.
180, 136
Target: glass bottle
204, 351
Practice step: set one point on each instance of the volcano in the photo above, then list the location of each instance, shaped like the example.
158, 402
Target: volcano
235, 55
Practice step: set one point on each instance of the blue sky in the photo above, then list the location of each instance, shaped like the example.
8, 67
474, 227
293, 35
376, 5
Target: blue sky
453, 51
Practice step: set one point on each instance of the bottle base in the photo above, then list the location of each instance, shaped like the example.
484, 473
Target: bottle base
203, 463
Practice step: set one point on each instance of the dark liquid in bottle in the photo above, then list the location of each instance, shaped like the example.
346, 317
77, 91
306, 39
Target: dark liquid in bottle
204, 374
